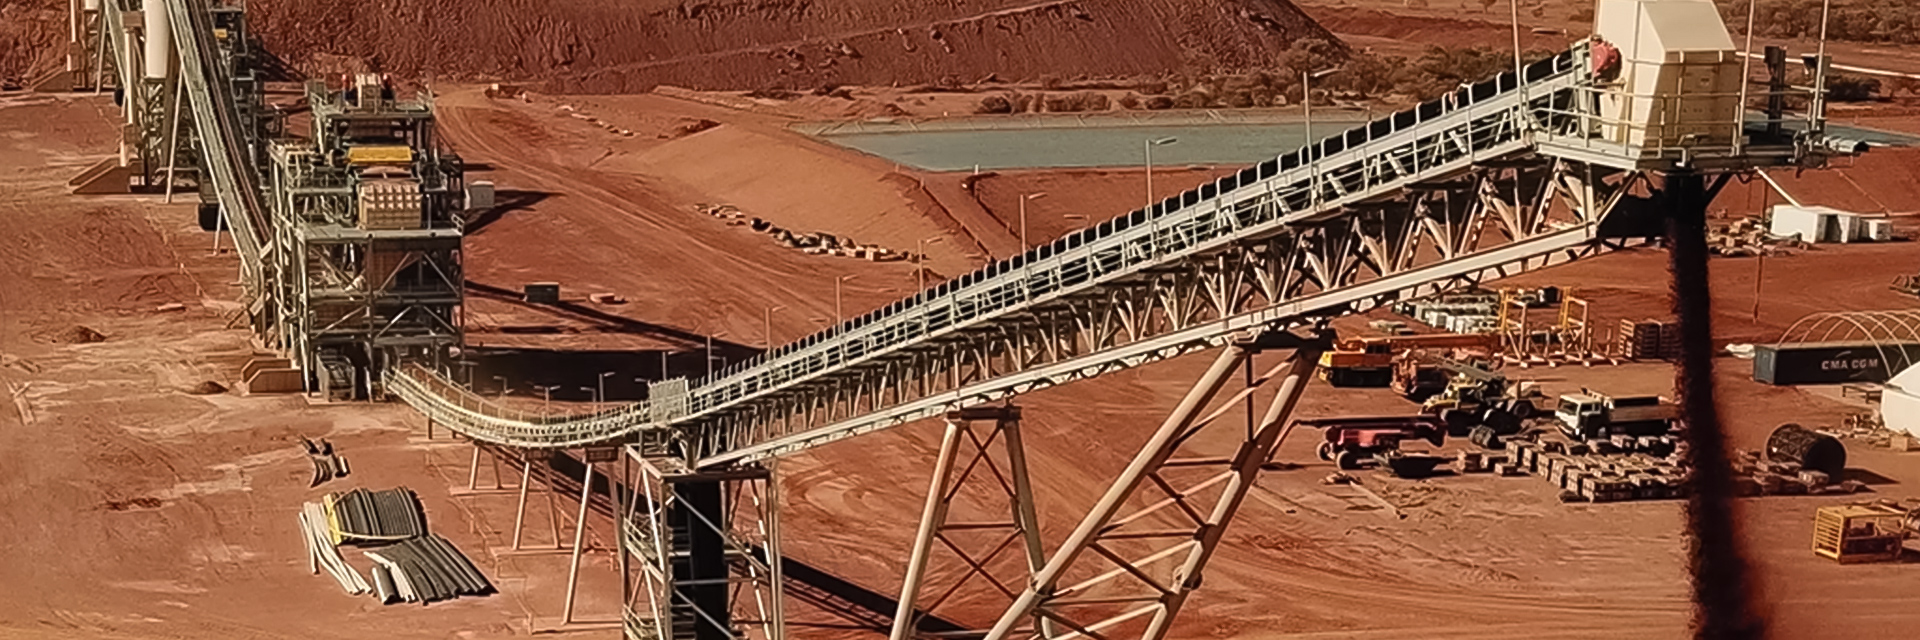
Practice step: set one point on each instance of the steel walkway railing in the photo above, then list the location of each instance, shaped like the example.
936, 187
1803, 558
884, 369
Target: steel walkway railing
1486, 121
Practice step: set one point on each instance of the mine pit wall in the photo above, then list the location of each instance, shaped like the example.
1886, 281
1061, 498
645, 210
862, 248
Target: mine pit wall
608, 46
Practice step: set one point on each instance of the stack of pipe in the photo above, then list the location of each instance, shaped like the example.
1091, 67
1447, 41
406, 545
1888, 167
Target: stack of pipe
321, 552
373, 516
425, 569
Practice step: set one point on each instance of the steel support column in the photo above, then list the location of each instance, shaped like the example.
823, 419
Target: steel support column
945, 489
579, 544
1105, 527
694, 536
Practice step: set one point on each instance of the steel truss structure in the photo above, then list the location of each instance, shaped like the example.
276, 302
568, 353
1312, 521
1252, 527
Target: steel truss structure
1502, 177
86, 63
1154, 586
695, 549
965, 455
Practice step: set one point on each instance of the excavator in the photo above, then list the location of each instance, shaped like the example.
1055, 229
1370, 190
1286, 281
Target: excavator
1369, 361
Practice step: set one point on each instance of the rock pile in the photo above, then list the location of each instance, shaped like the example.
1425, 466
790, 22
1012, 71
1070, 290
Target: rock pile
576, 114
78, 334
816, 243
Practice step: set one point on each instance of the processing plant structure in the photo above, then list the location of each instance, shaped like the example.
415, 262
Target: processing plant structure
366, 238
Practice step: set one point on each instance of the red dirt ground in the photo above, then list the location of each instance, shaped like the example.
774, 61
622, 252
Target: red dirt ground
136, 509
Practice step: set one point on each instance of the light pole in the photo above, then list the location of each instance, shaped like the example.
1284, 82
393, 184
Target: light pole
920, 259
1149, 145
546, 397
1023, 213
710, 353
838, 290
503, 386
468, 365
769, 325
602, 384
590, 390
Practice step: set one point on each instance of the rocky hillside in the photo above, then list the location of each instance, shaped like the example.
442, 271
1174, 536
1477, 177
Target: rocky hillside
632, 45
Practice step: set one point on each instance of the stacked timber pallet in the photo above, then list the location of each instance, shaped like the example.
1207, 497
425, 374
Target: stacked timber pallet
1621, 469
1749, 237
1755, 475
425, 569
1649, 339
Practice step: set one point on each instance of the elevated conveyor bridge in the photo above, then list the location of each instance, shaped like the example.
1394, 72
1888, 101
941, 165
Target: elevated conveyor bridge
1499, 178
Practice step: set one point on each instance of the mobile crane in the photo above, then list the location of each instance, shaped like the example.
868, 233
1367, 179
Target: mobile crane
1369, 362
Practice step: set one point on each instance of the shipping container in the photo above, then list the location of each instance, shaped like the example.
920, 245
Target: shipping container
543, 293
1830, 362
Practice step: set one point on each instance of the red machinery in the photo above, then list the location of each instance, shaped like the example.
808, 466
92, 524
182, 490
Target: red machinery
1351, 441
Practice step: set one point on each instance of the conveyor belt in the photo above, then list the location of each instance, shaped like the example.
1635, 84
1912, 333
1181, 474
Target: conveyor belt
1435, 140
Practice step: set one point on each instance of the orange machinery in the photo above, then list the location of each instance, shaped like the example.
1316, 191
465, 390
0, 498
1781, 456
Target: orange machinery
1368, 362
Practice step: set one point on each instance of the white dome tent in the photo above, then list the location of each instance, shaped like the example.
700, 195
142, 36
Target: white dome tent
1900, 402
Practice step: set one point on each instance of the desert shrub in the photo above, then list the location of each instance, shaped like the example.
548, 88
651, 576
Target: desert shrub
1151, 87
994, 104
1308, 55
1052, 82
1076, 102
1368, 75
1159, 103
1130, 101
1193, 99
1888, 21
1846, 88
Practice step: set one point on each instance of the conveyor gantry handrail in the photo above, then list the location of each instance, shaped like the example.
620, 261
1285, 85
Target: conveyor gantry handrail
1435, 139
